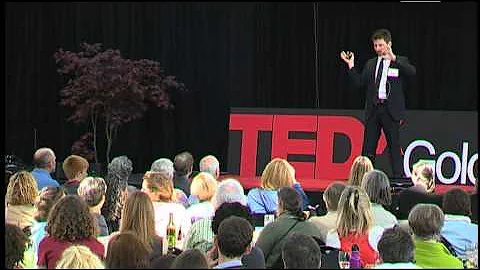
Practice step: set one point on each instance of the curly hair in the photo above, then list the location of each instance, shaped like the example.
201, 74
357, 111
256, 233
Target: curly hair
22, 189
15, 245
47, 198
79, 257
70, 220
159, 186
119, 171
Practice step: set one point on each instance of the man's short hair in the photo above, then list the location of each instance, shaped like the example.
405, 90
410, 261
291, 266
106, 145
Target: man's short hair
42, 157
73, 165
456, 202
426, 220
396, 245
229, 190
301, 252
183, 163
92, 190
210, 165
382, 34
163, 165
332, 194
234, 236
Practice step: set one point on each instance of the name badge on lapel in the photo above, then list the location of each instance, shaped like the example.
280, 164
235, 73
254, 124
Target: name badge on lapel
392, 72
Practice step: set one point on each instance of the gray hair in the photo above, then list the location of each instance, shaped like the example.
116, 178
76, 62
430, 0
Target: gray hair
229, 190
210, 165
121, 167
426, 221
377, 186
163, 166
42, 157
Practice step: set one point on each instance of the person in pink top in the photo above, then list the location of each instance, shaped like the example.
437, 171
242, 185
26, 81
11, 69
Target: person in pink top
69, 223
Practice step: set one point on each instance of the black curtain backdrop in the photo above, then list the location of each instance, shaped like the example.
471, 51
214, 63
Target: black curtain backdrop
228, 55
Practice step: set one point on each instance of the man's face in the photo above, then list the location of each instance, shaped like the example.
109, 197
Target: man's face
380, 47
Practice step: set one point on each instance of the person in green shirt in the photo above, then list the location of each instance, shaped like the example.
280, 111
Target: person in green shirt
426, 222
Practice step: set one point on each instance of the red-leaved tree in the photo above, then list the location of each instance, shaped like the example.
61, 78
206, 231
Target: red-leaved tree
103, 86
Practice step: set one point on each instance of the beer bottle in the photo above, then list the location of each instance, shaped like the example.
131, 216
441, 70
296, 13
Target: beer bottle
171, 234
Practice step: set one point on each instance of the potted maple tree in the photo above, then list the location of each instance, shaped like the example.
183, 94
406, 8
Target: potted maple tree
102, 87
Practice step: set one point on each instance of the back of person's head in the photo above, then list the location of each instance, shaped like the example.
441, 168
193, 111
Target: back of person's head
204, 186
92, 190
382, 34
231, 209
121, 167
423, 173
125, 250
332, 193
79, 257
426, 221
229, 190
190, 259
354, 212
360, 166
234, 236
44, 158
15, 245
301, 251
163, 165
47, 198
163, 261
396, 246
456, 202
210, 164
22, 189
75, 167
158, 186
138, 216
377, 186
183, 164
70, 220
289, 200
277, 174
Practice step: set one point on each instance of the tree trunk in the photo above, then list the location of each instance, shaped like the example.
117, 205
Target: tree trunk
94, 125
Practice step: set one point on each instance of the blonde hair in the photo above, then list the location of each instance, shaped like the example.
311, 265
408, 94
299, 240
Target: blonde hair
203, 186
79, 257
360, 166
159, 185
22, 189
354, 212
423, 172
138, 216
277, 174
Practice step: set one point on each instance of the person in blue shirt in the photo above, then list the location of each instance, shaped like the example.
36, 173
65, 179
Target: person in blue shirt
45, 163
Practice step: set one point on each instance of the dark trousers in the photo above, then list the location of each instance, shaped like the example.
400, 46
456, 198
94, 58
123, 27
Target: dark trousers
381, 119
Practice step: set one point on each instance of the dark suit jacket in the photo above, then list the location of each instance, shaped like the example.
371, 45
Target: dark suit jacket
396, 99
409, 197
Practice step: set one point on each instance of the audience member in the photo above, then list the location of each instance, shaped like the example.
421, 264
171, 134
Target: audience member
232, 241
92, 190
377, 186
48, 197
426, 222
203, 187
183, 164
119, 171
69, 223
165, 166
44, 161
190, 259
138, 217
290, 219
15, 245
360, 166
163, 261
75, 169
301, 251
277, 174
355, 226
126, 251
254, 258
422, 191
20, 199
160, 190
200, 235
210, 164
396, 249
330, 196
458, 229
79, 257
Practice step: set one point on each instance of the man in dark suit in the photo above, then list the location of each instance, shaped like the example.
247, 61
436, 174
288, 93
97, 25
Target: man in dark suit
384, 79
